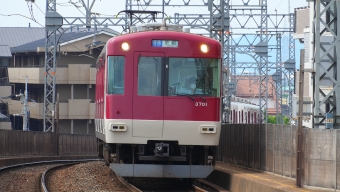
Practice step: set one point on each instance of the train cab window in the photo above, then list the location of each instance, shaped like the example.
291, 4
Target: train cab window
194, 76
150, 76
115, 75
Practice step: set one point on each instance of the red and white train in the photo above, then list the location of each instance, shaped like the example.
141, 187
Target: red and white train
242, 111
158, 103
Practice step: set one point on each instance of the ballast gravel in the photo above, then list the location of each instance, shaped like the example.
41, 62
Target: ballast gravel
91, 176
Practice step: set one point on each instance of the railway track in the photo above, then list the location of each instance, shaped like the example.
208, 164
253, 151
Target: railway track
24, 177
162, 184
78, 176
46, 177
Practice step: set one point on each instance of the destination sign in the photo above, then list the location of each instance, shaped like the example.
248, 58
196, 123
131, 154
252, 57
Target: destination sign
165, 43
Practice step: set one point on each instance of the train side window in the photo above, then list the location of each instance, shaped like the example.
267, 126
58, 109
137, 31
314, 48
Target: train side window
150, 76
115, 75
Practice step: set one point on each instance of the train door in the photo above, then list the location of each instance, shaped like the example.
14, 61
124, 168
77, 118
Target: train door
148, 102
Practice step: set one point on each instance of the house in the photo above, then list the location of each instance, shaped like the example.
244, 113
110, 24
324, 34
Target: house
75, 78
249, 88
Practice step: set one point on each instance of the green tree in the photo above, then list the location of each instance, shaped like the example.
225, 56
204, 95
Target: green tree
285, 120
271, 119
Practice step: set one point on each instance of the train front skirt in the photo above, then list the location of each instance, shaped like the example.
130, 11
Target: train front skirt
164, 171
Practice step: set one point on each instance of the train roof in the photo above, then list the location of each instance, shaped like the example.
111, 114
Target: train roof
142, 39
165, 34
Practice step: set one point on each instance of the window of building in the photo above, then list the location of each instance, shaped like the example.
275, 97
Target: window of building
4, 62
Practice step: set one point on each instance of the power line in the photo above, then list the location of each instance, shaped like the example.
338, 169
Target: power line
39, 8
23, 16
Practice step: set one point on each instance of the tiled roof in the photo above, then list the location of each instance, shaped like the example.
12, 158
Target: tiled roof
251, 88
66, 37
32, 46
25, 38
15, 36
5, 51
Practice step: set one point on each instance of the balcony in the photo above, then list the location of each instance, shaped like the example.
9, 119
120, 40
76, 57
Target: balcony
73, 74
74, 109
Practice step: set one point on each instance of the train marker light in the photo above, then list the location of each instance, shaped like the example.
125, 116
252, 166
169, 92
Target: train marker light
125, 46
208, 129
204, 48
118, 127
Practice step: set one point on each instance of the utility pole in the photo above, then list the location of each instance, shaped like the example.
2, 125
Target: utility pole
25, 111
300, 115
53, 23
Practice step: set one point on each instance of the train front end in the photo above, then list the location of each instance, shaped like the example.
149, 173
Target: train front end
161, 103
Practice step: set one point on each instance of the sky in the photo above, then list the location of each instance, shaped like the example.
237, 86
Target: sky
21, 13
109, 8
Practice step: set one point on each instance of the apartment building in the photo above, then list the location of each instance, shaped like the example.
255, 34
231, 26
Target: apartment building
5, 88
75, 79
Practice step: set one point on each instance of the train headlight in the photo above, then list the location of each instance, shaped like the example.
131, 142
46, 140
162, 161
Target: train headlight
204, 48
125, 46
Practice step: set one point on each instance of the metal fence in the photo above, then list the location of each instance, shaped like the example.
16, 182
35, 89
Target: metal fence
272, 148
24, 143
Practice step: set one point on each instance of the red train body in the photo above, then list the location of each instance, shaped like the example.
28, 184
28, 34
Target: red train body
158, 104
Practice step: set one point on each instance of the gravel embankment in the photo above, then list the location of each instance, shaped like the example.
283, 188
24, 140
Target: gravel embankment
91, 176
25, 179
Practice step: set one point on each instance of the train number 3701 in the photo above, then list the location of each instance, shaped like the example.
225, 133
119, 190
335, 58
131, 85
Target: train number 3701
201, 104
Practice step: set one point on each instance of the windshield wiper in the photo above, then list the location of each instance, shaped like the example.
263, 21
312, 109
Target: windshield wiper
181, 94
201, 98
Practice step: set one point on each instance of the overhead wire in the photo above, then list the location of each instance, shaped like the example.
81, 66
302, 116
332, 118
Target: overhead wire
277, 6
64, 4
23, 16
76, 6
39, 8
30, 18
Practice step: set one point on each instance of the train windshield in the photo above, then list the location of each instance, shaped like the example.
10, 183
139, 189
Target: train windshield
194, 76
169, 76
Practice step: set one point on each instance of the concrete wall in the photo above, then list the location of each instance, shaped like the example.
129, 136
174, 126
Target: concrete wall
21, 143
272, 148
81, 126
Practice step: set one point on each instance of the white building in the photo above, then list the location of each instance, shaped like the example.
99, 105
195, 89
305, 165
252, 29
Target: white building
75, 78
